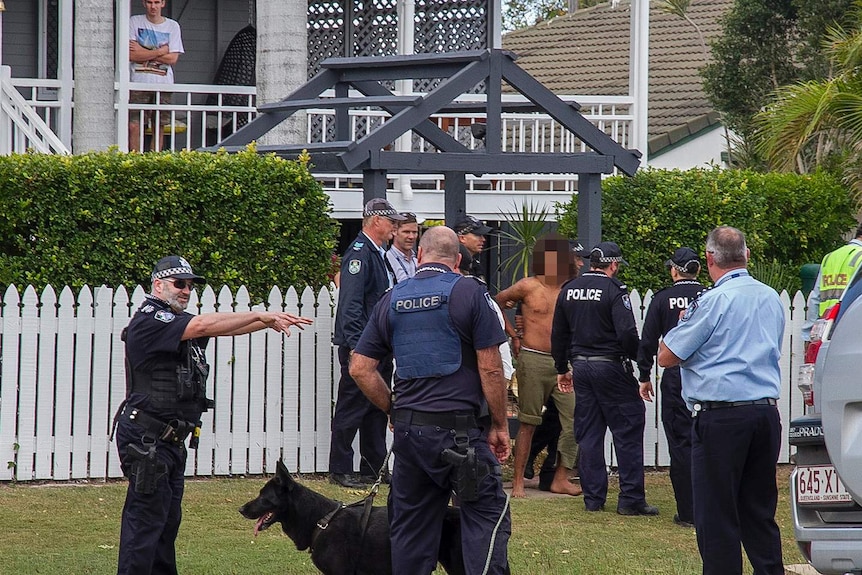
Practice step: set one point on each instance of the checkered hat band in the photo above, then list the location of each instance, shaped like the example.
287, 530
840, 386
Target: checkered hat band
609, 260
384, 213
682, 268
172, 272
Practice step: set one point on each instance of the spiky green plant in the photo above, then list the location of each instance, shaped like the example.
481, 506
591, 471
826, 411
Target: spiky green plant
527, 224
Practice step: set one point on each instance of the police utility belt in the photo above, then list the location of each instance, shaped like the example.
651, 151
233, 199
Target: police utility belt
467, 471
173, 431
456, 420
711, 405
613, 358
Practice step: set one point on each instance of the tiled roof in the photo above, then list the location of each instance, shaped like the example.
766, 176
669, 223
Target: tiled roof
587, 53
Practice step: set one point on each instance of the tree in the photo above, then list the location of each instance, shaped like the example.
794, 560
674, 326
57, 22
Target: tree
525, 13
819, 122
766, 44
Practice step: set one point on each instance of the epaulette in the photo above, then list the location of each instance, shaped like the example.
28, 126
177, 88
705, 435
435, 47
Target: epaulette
478, 279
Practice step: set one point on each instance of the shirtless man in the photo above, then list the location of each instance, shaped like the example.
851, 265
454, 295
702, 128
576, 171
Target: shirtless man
553, 264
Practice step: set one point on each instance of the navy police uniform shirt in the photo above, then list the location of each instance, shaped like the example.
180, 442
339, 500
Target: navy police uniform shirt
662, 315
155, 333
477, 325
593, 317
364, 278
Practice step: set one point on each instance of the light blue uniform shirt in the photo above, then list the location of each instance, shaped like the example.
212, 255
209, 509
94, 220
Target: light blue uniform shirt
729, 341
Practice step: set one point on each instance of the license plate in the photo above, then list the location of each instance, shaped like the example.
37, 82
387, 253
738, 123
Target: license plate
820, 484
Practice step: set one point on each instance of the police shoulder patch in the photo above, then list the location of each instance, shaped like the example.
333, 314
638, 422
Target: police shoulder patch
489, 301
626, 301
164, 316
689, 311
354, 266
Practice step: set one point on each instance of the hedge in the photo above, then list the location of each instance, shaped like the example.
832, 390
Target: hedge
105, 218
787, 218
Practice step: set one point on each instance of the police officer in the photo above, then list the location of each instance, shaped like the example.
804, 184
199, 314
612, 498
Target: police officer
594, 330
445, 335
364, 278
166, 373
663, 314
728, 344
837, 268
471, 235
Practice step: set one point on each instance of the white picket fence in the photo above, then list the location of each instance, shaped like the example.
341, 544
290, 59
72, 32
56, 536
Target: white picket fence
63, 377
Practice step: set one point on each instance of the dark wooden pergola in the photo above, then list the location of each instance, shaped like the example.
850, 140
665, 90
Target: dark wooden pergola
458, 73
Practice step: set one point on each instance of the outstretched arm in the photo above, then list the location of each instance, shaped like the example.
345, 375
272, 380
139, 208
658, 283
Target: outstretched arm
216, 324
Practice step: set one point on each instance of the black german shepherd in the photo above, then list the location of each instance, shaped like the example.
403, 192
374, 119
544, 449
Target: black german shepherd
340, 549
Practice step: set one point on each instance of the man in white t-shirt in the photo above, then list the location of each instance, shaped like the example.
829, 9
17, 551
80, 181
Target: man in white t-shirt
155, 45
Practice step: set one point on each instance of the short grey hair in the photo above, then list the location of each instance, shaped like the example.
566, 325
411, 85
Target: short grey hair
440, 244
727, 246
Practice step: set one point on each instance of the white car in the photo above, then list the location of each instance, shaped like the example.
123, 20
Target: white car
826, 485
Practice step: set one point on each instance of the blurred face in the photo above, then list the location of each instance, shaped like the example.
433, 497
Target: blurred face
405, 237
472, 242
174, 291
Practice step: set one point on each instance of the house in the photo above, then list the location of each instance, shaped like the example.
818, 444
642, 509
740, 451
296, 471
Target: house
588, 52
48, 115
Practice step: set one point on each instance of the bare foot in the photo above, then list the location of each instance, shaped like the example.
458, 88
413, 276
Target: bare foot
518, 491
566, 488
531, 483
561, 483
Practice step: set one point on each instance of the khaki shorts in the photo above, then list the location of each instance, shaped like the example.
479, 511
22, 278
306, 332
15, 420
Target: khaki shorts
138, 97
537, 381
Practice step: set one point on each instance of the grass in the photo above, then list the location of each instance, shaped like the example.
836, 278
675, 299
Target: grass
55, 529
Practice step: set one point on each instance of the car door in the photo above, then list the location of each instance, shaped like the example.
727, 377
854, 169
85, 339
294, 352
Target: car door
841, 390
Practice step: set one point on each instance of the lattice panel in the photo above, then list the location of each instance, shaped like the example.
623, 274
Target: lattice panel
375, 28
326, 23
440, 26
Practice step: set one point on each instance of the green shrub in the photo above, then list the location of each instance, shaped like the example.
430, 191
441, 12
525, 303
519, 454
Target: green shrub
105, 218
788, 218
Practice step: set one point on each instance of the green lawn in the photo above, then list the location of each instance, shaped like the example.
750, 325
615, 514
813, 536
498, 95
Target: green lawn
73, 530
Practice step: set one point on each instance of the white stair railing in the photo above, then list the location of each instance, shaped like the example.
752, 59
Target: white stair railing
21, 128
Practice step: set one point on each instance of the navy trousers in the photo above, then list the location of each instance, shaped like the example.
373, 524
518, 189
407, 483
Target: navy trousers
150, 522
420, 492
734, 455
608, 399
676, 419
355, 413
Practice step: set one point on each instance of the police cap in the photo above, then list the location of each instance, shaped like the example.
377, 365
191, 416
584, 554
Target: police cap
175, 267
606, 253
684, 260
470, 225
382, 207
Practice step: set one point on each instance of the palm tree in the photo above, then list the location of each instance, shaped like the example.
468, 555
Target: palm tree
809, 124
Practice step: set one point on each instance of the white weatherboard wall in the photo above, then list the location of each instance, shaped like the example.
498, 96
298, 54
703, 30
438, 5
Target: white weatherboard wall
62, 377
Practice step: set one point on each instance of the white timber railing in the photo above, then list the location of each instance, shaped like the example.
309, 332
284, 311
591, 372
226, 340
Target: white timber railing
63, 376
22, 129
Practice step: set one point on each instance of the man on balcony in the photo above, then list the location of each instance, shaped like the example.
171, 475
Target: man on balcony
155, 45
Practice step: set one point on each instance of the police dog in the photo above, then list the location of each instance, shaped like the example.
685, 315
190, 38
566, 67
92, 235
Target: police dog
340, 549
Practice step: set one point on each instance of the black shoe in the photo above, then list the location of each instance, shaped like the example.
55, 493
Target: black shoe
372, 479
683, 523
641, 509
595, 508
345, 480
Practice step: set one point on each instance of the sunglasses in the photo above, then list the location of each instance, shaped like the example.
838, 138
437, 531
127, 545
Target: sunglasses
180, 284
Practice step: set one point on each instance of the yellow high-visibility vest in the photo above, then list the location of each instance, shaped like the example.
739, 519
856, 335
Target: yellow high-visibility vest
835, 273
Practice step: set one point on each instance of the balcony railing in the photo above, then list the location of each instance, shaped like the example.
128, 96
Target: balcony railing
192, 116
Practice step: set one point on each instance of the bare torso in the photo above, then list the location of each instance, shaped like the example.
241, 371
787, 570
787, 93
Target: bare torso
537, 309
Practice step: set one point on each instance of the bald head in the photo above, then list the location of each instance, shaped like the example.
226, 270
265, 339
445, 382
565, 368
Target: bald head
439, 245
